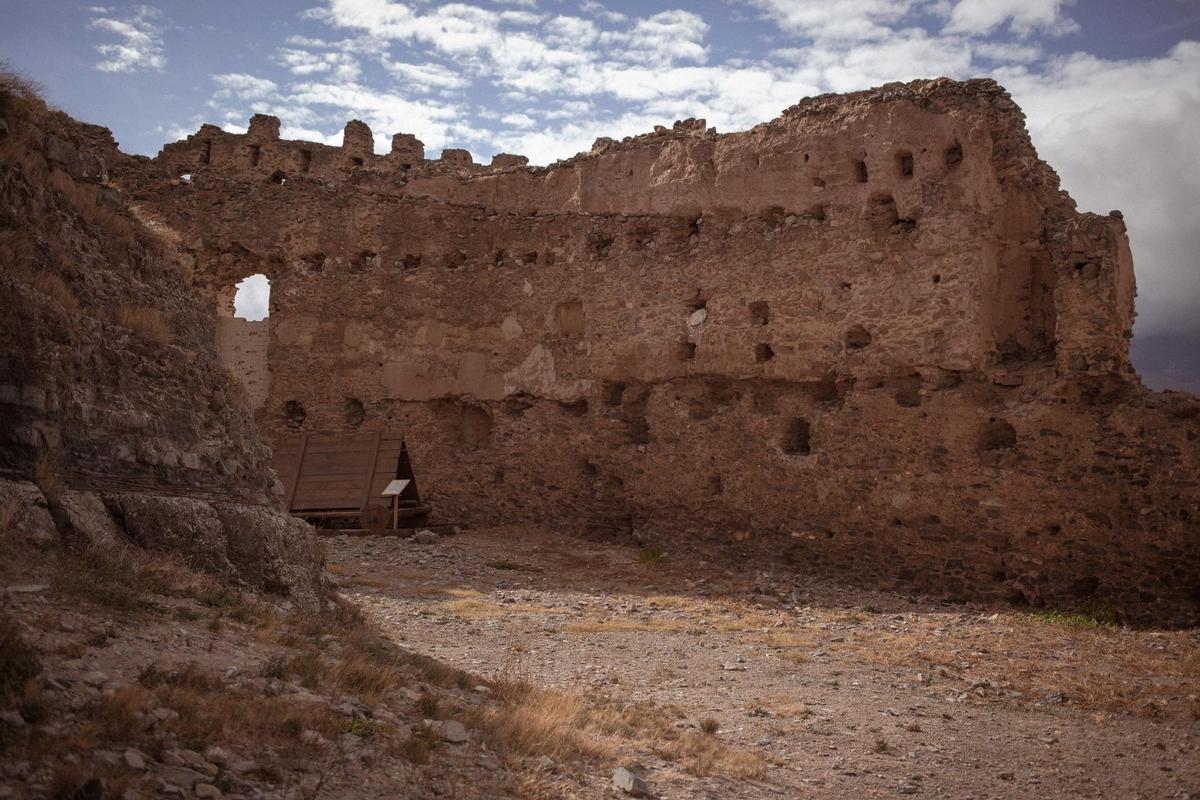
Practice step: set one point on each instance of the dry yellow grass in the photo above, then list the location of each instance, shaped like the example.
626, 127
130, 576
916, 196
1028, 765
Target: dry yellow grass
84, 198
703, 754
145, 322
1099, 669
482, 609
537, 720
56, 289
659, 624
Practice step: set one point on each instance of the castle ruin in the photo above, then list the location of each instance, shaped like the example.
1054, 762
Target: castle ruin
872, 336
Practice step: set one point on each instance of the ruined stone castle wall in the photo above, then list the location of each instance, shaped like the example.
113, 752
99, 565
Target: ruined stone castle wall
872, 335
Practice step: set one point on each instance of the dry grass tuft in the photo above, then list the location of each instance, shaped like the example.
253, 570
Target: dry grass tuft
704, 755
17, 91
535, 721
84, 198
133, 580
145, 322
56, 289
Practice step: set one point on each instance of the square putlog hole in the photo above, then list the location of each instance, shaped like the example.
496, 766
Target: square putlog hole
571, 320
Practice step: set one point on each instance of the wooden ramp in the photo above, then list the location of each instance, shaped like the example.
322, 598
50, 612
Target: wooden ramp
331, 477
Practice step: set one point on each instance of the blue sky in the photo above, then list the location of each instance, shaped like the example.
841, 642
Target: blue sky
1111, 88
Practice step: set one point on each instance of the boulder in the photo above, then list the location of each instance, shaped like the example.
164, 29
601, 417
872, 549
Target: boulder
260, 547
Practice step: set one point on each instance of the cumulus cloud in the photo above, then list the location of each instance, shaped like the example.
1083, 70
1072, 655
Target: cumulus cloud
241, 85
1023, 17
853, 20
140, 44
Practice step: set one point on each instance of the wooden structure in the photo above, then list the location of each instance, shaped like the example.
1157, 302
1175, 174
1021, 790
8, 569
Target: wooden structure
334, 478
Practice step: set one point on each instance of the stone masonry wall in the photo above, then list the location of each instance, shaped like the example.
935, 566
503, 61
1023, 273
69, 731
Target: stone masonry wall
872, 337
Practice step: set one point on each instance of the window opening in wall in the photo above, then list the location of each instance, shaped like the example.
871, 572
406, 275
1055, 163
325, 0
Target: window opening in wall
687, 351
279, 177
860, 171
954, 156
305, 160
904, 164
251, 301
857, 337
797, 437
614, 392
760, 312
355, 412
255, 154
356, 161
762, 353
206, 156
186, 177
294, 413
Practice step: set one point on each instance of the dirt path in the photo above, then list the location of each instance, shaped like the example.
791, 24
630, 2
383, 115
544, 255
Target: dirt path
815, 692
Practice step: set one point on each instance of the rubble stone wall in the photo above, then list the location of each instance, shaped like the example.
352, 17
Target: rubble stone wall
872, 336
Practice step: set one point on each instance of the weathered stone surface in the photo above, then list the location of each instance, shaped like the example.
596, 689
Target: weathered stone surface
254, 545
111, 382
24, 508
629, 782
88, 520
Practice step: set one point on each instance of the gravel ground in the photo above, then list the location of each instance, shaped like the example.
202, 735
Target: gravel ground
836, 697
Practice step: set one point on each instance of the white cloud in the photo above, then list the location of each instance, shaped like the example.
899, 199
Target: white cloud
241, 85
858, 20
426, 77
385, 112
141, 43
601, 11
1023, 17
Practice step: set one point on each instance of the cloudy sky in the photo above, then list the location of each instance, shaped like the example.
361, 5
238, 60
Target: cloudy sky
1111, 88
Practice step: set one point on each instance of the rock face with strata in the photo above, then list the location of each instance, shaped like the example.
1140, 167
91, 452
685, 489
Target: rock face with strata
117, 420
872, 335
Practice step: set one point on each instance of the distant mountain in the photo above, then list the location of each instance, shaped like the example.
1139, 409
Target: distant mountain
1169, 360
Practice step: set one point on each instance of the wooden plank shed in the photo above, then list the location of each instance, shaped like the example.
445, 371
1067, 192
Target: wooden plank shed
342, 476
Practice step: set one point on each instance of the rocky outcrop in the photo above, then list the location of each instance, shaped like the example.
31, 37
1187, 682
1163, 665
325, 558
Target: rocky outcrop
117, 422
